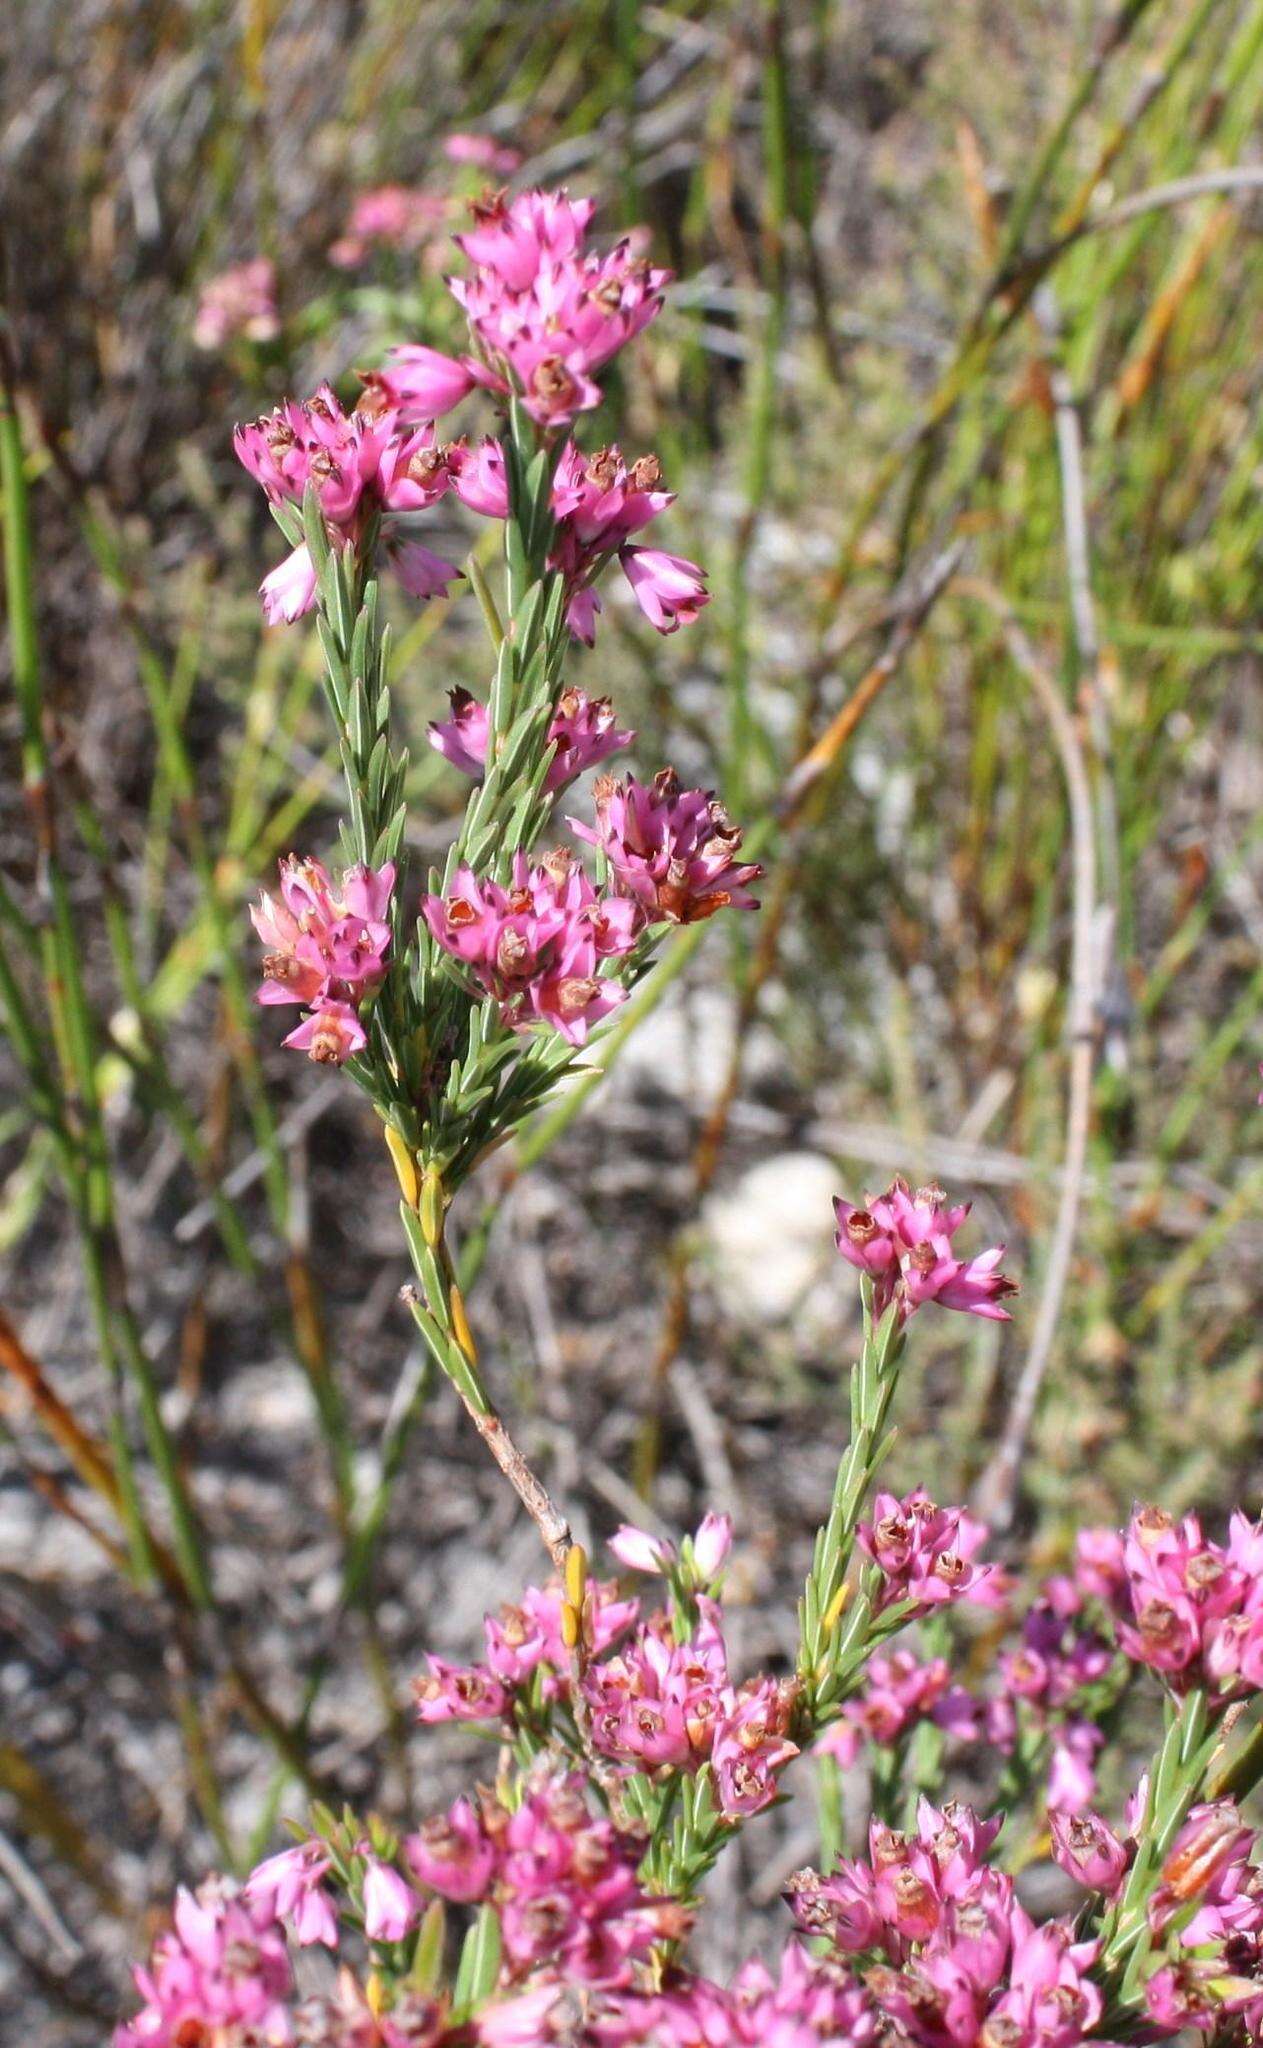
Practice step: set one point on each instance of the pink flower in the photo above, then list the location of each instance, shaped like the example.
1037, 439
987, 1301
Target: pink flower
390, 1905
712, 1541
705, 1552
669, 590
925, 1554
424, 383
598, 502
545, 312
582, 733
751, 1745
483, 152
537, 947
1088, 1851
240, 301
904, 1243
672, 851
459, 1692
808, 2003
290, 589
453, 1855
327, 949
900, 1693
291, 1887
1187, 1607
640, 1551
223, 1972
367, 469
966, 1964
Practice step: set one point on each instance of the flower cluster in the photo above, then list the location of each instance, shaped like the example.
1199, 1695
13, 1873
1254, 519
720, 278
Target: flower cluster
1187, 1607
904, 1243
222, 1973
521, 1640
809, 2003
961, 1961
583, 732
663, 1701
1047, 1684
563, 1881
240, 301
925, 1555
598, 502
537, 946
327, 949
370, 474
656, 1696
673, 851
545, 311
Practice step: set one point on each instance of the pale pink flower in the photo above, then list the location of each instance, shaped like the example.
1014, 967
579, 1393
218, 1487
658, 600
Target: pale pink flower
483, 151
390, 1904
240, 301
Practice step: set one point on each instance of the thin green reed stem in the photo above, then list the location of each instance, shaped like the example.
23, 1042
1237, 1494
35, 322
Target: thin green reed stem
761, 394
91, 1192
183, 780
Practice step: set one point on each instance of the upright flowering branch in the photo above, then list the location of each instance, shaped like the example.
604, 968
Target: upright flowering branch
459, 1026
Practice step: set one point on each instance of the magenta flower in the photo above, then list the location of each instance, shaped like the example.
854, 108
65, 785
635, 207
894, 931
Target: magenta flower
367, 470
537, 947
705, 1552
904, 1243
1187, 1607
966, 1964
925, 1554
545, 312
598, 502
222, 1973
453, 1855
521, 1641
583, 732
672, 851
808, 2003
240, 301
327, 949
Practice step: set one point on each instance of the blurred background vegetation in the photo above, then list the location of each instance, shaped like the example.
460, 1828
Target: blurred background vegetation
971, 446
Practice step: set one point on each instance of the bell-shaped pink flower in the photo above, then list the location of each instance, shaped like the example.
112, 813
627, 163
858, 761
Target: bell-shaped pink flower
390, 1904
669, 590
1088, 1850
